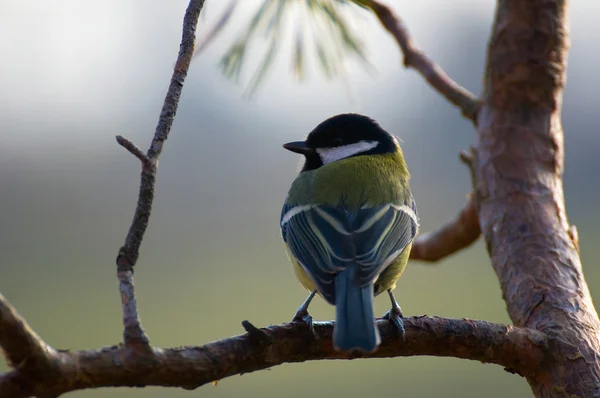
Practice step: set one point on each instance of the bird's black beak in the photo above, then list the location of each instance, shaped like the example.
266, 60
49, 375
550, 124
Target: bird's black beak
299, 147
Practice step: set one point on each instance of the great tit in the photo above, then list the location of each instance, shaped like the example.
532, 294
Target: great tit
348, 224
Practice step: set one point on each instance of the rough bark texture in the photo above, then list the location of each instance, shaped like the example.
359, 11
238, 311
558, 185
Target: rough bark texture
519, 350
518, 166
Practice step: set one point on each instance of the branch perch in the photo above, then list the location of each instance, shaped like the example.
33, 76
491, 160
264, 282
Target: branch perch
466, 101
519, 350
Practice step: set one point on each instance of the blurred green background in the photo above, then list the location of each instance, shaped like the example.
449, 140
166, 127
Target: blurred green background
75, 73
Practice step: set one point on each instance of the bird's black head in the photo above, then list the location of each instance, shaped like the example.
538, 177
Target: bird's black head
343, 136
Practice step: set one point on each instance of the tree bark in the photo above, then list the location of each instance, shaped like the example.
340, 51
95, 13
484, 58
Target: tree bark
52, 373
518, 166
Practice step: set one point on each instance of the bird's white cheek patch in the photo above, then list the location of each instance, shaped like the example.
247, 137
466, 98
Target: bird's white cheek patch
329, 155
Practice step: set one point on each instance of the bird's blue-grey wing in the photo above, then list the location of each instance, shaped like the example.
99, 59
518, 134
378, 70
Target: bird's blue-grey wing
381, 233
327, 239
320, 238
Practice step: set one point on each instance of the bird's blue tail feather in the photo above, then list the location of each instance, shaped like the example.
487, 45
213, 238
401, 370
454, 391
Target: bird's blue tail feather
355, 327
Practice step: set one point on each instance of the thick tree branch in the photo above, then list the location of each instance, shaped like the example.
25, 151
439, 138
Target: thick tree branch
518, 350
518, 168
458, 233
23, 348
128, 254
466, 101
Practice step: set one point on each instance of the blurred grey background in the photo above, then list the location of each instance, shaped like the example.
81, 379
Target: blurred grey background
75, 73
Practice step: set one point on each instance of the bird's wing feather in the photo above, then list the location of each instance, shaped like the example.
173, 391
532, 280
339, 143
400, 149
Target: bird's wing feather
327, 239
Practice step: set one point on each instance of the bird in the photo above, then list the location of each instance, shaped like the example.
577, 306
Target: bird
348, 224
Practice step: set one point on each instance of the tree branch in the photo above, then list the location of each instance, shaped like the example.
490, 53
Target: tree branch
23, 348
458, 233
134, 334
518, 179
133, 149
519, 350
128, 254
415, 58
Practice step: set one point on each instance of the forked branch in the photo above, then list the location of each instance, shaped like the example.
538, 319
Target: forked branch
134, 334
128, 254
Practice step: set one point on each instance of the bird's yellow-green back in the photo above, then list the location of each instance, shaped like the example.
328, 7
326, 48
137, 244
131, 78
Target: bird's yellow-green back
354, 182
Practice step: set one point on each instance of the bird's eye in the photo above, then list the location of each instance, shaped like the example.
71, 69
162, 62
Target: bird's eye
337, 142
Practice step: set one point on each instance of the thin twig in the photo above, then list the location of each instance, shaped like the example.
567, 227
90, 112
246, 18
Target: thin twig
462, 230
519, 349
182, 65
458, 233
133, 149
128, 254
134, 335
415, 58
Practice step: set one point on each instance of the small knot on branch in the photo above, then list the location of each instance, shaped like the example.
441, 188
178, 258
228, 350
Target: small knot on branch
469, 157
466, 157
574, 235
124, 261
513, 371
256, 335
470, 109
411, 55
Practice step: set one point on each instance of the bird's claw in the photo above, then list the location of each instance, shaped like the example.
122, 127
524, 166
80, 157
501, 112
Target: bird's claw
394, 315
304, 317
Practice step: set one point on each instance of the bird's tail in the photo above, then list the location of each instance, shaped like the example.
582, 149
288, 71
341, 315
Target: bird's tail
355, 327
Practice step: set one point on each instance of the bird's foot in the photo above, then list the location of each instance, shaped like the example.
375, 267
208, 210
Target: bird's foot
303, 316
394, 315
